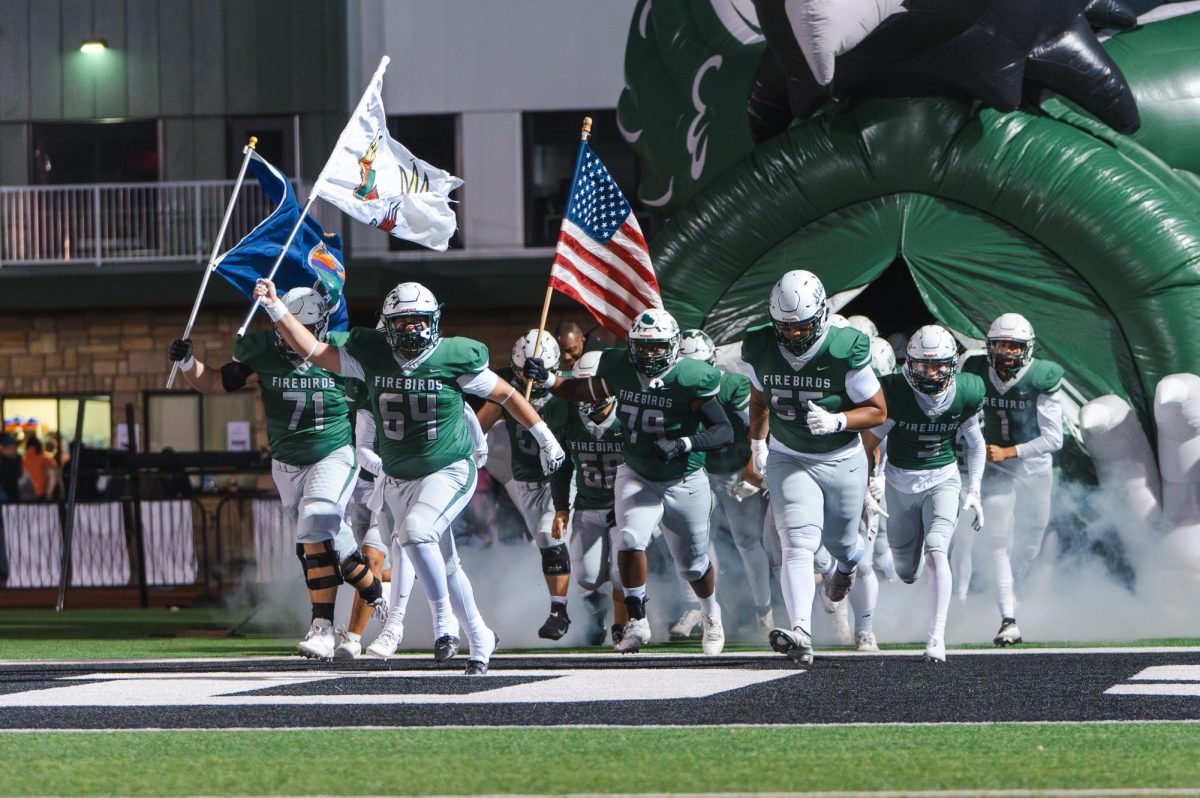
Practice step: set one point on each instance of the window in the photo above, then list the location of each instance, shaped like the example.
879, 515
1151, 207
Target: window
94, 152
434, 139
49, 416
551, 147
188, 422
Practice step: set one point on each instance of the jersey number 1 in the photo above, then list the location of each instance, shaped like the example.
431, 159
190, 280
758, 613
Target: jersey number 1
301, 399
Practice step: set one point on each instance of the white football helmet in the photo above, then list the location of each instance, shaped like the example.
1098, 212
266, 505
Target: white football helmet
1011, 328
404, 301
587, 366
931, 359
550, 354
309, 307
799, 310
883, 357
653, 342
864, 325
838, 320
697, 345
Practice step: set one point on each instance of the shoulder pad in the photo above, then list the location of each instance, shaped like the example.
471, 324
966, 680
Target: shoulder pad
610, 359
464, 355
363, 339
846, 343
754, 340
248, 347
972, 388
1046, 376
338, 337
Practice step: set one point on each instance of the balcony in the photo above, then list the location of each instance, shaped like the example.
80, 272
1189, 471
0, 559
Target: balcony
123, 223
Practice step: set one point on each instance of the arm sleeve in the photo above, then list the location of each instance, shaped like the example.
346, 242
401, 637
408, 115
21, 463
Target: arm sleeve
481, 384
350, 367
364, 447
976, 452
861, 383
718, 432
478, 439
1049, 416
234, 375
560, 486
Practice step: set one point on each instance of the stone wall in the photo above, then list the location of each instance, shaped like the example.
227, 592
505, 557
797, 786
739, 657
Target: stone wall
124, 353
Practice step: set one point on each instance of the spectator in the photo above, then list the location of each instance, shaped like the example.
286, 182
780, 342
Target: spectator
10, 469
40, 468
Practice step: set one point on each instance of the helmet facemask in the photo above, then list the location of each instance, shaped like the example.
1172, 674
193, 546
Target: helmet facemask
654, 356
798, 337
411, 342
932, 376
1009, 355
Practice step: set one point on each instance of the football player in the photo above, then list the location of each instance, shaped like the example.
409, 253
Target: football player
812, 384
1022, 424
739, 505
312, 456
864, 325
416, 380
595, 441
530, 487
929, 403
671, 416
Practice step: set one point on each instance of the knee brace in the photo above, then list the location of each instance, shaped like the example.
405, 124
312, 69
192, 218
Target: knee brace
355, 570
314, 561
556, 560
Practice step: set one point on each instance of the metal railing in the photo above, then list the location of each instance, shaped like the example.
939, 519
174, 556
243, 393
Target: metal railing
123, 222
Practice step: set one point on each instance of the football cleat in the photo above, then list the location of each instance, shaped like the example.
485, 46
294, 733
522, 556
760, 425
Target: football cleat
712, 636
835, 587
445, 648
387, 642
794, 643
379, 609
635, 635
764, 622
935, 650
618, 631
683, 628
476, 667
347, 648
1009, 634
320, 640
556, 624
865, 641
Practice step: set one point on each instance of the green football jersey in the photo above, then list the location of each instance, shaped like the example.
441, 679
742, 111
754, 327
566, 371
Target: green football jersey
419, 412
595, 460
787, 390
651, 414
918, 442
526, 460
1010, 417
734, 396
307, 415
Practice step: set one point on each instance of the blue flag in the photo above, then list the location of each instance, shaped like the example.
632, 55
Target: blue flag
314, 260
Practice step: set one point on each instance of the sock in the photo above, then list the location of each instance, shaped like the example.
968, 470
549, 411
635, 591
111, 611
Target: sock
863, 598
558, 603
351, 636
462, 597
709, 606
941, 587
758, 574
635, 602
1003, 576
799, 587
960, 559
431, 570
403, 576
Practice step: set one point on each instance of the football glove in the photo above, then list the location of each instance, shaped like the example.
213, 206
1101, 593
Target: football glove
744, 489
971, 502
480, 456
668, 450
822, 422
552, 457
535, 370
181, 350
875, 488
758, 456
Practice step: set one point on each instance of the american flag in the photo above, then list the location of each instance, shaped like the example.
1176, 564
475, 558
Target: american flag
602, 260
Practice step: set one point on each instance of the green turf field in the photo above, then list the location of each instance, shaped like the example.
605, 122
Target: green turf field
422, 762
159, 633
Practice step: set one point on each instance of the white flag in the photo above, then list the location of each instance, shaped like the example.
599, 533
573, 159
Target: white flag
375, 179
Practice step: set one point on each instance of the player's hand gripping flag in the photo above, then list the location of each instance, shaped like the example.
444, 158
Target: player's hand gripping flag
602, 260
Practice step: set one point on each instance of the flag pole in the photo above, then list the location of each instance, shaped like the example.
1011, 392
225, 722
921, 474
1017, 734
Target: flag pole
282, 253
212, 257
312, 195
537, 342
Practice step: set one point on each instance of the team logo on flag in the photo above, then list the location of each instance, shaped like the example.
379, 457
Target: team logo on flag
366, 189
329, 270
